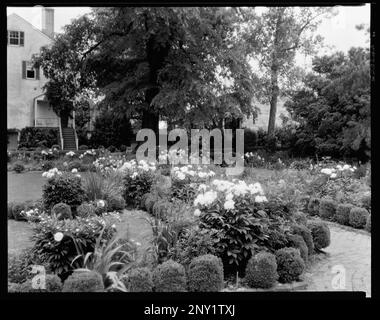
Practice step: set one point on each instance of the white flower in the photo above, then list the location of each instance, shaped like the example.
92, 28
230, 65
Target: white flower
261, 199
181, 176
229, 196
74, 170
65, 164
256, 188
333, 175
197, 212
346, 167
101, 203
229, 205
113, 226
327, 171
58, 236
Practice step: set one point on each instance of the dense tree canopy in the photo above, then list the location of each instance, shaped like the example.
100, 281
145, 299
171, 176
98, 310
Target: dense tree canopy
333, 110
183, 64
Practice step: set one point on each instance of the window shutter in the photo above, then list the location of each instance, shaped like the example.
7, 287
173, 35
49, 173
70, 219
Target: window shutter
21, 38
37, 73
7, 36
24, 69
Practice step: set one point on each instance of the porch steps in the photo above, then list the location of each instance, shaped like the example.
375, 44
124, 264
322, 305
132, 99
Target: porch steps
68, 139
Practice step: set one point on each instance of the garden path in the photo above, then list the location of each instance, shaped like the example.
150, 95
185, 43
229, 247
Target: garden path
350, 249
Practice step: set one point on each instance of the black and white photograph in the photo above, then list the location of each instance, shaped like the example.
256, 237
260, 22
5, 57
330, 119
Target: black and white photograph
191, 149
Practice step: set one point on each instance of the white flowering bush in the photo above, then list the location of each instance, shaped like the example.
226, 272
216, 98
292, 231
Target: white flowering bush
109, 163
51, 173
64, 187
341, 170
138, 178
233, 207
253, 160
186, 179
56, 241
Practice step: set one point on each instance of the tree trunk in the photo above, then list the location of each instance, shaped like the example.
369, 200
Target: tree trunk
273, 102
274, 73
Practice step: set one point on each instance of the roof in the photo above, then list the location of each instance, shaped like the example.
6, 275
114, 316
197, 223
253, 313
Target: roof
33, 27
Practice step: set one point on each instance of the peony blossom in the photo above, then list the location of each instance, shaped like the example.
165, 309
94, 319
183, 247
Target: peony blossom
74, 170
261, 199
197, 212
58, 236
229, 205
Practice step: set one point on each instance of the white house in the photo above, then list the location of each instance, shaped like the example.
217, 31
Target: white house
26, 102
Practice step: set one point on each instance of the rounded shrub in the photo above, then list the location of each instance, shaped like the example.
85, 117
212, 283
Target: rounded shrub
10, 210
84, 281
62, 211
205, 274
169, 276
161, 208
66, 188
296, 241
17, 208
327, 208
144, 197
149, 202
300, 218
358, 217
261, 270
115, 203
140, 280
342, 214
305, 233
83, 147
313, 206
368, 223
47, 165
366, 201
321, 234
290, 265
18, 167
85, 210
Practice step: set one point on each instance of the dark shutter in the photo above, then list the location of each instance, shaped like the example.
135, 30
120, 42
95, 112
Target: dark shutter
21, 38
24, 69
37, 73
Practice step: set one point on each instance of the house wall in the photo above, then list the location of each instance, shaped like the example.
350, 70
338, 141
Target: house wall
21, 92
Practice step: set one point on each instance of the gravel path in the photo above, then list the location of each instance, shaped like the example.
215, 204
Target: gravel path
350, 254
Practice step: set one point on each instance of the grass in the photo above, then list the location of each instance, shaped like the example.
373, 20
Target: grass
25, 186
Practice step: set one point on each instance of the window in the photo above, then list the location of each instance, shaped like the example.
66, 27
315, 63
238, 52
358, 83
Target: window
28, 72
16, 38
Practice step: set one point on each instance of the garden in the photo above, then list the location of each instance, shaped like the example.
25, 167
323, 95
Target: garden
205, 231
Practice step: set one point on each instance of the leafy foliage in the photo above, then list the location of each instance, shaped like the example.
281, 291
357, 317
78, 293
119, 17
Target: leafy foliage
140, 280
289, 264
84, 281
333, 107
169, 276
321, 234
33, 137
66, 188
261, 270
205, 274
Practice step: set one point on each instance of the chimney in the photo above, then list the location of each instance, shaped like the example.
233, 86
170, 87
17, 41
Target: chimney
48, 21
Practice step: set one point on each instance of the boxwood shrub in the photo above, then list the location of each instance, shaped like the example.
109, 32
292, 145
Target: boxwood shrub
205, 274
358, 217
62, 211
290, 265
140, 280
327, 208
342, 214
306, 235
321, 234
296, 241
313, 206
261, 270
169, 276
84, 281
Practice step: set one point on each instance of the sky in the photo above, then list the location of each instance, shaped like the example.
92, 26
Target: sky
339, 32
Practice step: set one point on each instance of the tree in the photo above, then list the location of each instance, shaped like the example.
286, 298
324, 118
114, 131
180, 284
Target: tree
275, 38
333, 107
67, 84
148, 63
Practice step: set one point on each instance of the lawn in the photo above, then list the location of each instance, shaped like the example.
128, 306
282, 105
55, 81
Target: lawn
25, 186
28, 186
